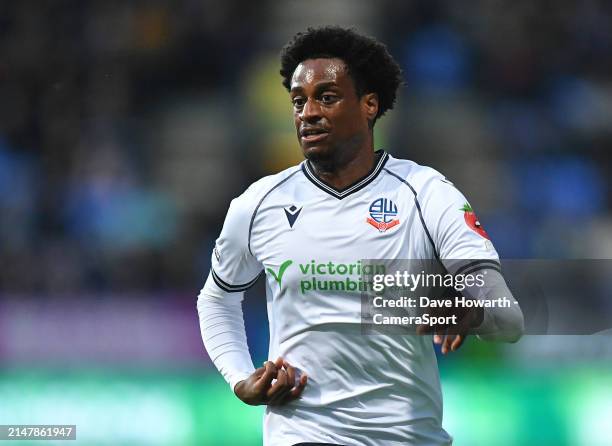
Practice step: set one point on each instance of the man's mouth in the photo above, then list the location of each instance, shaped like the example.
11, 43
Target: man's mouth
313, 134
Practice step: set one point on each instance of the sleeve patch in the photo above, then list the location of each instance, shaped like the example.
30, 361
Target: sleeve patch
472, 220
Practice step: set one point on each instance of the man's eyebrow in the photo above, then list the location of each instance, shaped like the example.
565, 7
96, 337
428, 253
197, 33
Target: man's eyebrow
318, 87
322, 85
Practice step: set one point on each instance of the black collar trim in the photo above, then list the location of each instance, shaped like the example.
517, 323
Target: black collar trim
358, 185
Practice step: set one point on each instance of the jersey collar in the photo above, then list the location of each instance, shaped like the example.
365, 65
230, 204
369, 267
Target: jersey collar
356, 186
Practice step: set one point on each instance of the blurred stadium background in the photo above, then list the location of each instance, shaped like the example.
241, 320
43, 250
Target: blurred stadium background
127, 127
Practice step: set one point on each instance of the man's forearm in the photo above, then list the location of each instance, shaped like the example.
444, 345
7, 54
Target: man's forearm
224, 336
501, 323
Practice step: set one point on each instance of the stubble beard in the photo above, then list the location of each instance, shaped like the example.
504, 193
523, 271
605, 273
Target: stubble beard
323, 160
335, 157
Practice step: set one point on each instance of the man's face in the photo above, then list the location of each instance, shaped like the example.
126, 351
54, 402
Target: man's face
330, 120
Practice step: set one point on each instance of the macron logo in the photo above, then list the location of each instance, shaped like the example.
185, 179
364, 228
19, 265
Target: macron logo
292, 213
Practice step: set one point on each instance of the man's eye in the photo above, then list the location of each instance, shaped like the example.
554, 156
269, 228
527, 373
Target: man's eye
298, 102
328, 98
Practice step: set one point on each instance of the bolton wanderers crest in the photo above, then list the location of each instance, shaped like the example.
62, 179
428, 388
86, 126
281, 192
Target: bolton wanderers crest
383, 214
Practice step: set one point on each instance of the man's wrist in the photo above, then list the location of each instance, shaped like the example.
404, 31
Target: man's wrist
237, 386
236, 379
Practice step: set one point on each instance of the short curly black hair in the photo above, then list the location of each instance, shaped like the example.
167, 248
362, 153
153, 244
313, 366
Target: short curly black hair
369, 63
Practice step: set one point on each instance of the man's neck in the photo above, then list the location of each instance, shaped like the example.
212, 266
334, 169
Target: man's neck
341, 175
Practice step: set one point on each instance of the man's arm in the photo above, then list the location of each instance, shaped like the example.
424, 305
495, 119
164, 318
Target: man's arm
460, 239
224, 336
234, 269
495, 323
500, 323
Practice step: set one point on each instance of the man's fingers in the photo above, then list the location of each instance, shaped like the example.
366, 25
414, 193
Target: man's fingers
296, 392
270, 372
290, 374
446, 343
281, 381
457, 342
279, 389
288, 393
284, 388
452, 343
259, 371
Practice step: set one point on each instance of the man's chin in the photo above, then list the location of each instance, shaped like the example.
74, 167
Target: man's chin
317, 154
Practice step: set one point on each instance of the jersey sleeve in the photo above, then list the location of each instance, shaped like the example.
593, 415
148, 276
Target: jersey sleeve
464, 247
455, 231
233, 266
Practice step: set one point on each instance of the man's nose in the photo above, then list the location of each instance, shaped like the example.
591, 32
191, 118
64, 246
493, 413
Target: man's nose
310, 111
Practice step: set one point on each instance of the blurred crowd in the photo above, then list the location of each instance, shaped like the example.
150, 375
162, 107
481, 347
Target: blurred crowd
127, 127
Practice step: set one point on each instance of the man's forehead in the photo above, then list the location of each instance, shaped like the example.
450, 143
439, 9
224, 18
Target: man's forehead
315, 70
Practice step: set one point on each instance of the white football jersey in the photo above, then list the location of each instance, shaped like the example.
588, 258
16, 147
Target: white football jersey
309, 240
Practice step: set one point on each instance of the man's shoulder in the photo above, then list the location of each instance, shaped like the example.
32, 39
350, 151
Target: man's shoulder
260, 188
416, 176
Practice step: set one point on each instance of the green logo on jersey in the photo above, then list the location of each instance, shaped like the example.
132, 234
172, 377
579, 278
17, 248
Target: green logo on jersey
330, 276
281, 271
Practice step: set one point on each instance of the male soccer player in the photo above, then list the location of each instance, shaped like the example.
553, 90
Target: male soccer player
308, 228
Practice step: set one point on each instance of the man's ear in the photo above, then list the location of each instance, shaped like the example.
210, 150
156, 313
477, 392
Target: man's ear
369, 103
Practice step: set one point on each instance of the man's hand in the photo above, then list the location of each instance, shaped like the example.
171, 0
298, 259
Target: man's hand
452, 336
258, 388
